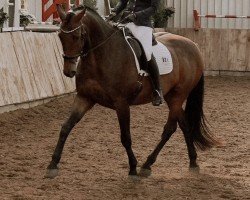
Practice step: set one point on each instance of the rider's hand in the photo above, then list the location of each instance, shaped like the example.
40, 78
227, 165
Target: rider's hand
131, 17
110, 16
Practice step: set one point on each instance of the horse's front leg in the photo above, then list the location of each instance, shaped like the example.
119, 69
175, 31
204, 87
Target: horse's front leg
123, 113
80, 107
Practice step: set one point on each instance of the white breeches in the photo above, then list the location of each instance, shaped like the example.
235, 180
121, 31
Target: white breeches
144, 35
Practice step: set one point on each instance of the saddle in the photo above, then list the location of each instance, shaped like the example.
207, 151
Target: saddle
137, 47
160, 52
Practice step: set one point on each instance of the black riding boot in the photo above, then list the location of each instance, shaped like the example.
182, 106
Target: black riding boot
153, 72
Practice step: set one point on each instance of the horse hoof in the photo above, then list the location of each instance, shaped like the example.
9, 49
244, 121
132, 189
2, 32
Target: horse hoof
132, 172
194, 169
133, 177
145, 172
51, 173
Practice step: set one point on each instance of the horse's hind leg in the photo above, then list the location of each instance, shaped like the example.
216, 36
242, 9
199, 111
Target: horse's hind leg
80, 107
123, 113
189, 140
169, 129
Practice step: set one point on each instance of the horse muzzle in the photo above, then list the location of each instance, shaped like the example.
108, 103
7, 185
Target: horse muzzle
70, 74
70, 68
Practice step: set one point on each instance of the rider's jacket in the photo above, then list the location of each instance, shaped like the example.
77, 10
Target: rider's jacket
143, 9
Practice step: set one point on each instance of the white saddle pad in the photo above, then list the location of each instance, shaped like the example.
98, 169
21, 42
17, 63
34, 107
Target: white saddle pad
162, 56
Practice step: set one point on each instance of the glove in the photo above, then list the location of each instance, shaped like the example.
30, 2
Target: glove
131, 17
110, 16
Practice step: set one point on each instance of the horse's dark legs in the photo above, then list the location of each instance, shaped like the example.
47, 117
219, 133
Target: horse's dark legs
123, 113
189, 140
80, 107
169, 129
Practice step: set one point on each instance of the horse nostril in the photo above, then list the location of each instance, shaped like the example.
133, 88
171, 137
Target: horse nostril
70, 74
66, 74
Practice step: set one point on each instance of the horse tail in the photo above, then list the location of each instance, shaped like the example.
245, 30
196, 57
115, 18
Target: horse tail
199, 131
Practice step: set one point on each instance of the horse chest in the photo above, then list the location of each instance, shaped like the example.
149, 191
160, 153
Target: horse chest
94, 90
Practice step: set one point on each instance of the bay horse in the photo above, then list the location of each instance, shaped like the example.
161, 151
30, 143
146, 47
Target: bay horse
106, 74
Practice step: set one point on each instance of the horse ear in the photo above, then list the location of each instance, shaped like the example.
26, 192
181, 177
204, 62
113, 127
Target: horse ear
61, 12
80, 15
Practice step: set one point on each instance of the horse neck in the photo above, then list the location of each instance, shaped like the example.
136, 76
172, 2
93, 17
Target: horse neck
98, 30
107, 39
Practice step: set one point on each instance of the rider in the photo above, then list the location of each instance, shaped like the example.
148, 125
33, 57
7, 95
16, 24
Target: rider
141, 27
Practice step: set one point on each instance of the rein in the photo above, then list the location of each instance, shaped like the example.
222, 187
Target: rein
97, 46
83, 54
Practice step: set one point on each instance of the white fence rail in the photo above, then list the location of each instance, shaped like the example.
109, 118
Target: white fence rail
184, 13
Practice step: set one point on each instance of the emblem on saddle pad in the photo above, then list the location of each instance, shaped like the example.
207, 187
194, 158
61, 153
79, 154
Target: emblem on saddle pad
161, 54
164, 59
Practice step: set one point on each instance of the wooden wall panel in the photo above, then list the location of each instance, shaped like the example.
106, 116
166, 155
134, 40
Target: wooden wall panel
222, 50
237, 50
34, 47
31, 67
248, 52
213, 50
242, 48
12, 85
201, 41
24, 66
49, 63
223, 64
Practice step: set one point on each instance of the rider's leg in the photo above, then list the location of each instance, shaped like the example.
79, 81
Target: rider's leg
155, 79
144, 35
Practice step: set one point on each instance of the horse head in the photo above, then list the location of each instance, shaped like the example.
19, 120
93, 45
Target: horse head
73, 38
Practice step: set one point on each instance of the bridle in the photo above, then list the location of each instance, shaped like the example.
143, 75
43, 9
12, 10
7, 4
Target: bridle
67, 57
83, 54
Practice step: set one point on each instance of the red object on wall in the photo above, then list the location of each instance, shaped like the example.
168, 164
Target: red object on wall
51, 11
197, 18
197, 24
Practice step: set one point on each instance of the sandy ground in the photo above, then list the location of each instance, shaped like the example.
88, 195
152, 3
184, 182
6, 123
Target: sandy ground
94, 163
